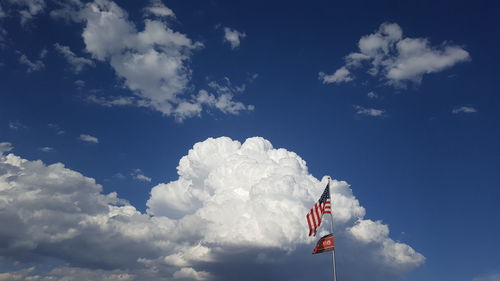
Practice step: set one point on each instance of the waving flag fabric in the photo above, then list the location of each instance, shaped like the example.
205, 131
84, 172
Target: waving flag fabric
323, 206
325, 244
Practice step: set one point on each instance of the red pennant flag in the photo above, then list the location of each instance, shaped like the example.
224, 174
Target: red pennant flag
325, 244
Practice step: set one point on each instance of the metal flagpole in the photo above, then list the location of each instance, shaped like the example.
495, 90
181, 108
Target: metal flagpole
331, 228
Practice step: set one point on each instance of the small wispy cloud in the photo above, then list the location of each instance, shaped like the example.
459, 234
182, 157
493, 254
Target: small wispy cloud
33, 66
16, 125
372, 95
2, 13
88, 138
77, 63
27, 10
139, 175
43, 53
221, 97
369, 111
489, 277
115, 101
80, 84
464, 109
56, 128
46, 149
119, 176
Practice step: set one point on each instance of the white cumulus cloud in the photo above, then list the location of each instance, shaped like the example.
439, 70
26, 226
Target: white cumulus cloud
153, 63
397, 60
57, 213
235, 208
369, 231
341, 75
255, 195
233, 37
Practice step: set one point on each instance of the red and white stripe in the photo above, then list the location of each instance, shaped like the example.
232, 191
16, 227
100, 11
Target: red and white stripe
316, 214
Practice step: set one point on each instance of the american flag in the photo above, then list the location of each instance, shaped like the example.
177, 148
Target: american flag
323, 206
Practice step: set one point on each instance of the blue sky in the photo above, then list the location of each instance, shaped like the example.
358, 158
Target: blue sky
411, 123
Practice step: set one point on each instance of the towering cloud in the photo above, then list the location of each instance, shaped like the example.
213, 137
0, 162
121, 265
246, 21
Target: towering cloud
237, 210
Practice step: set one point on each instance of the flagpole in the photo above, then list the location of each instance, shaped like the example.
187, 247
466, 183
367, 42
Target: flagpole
331, 228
